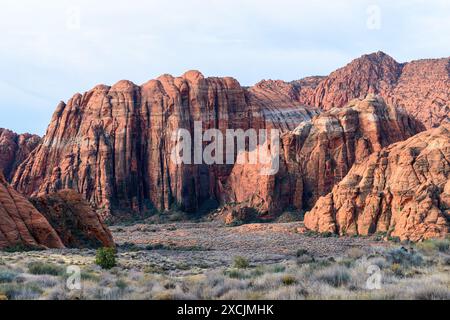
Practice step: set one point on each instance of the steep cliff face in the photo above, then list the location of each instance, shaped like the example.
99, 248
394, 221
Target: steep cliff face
319, 153
14, 149
113, 144
302, 90
421, 87
402, 190
375, 73
21, 225
76, 223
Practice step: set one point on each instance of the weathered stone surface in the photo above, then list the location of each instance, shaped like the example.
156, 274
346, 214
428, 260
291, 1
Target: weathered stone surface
302, 90
21, 225
113, 144
14, 149
422, 87
77, 224
318, 154
402, 190
374, 73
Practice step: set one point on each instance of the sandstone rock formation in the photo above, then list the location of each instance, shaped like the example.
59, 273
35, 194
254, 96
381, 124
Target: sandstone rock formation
77, 224
14, 149
319, 153
113, 144
21, 225
421, 87
374, 73
402, 190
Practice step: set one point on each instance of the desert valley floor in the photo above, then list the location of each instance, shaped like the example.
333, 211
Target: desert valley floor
208, 260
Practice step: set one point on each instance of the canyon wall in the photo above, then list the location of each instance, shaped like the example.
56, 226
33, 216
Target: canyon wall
402, 191
14, 149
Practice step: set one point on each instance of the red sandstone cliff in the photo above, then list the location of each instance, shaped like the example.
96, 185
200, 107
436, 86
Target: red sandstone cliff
76, 223
402, 190
113, 144
21, 225
421, 87
14, 149
319, 153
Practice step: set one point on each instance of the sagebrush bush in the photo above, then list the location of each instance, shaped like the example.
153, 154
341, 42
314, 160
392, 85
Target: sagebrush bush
7, 275
441, 245
106, 258
335, 276
405, 257
39, 268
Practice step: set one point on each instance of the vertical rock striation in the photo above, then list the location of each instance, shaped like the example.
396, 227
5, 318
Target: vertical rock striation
319, 153
113, 144
402, 190
14, 149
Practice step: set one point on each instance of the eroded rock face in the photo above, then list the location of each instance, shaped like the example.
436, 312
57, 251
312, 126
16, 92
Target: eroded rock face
319, 153
113, 144
21, 225
77, 224
421, 87
402, 190
14, 149
374, 73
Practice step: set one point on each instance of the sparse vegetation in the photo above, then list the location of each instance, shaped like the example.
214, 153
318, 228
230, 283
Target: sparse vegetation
411, 272
430, 246
39, 268
240, 262
335, 276
106, 258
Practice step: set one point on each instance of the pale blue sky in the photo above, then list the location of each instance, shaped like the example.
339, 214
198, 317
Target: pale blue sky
51, 49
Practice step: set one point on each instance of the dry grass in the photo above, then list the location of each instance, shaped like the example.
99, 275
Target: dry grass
420, 272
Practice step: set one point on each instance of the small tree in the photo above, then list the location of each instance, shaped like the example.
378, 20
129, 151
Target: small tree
106, 258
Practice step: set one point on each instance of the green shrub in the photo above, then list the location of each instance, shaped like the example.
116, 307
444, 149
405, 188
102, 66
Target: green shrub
39, 268
240, 262
106, 258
